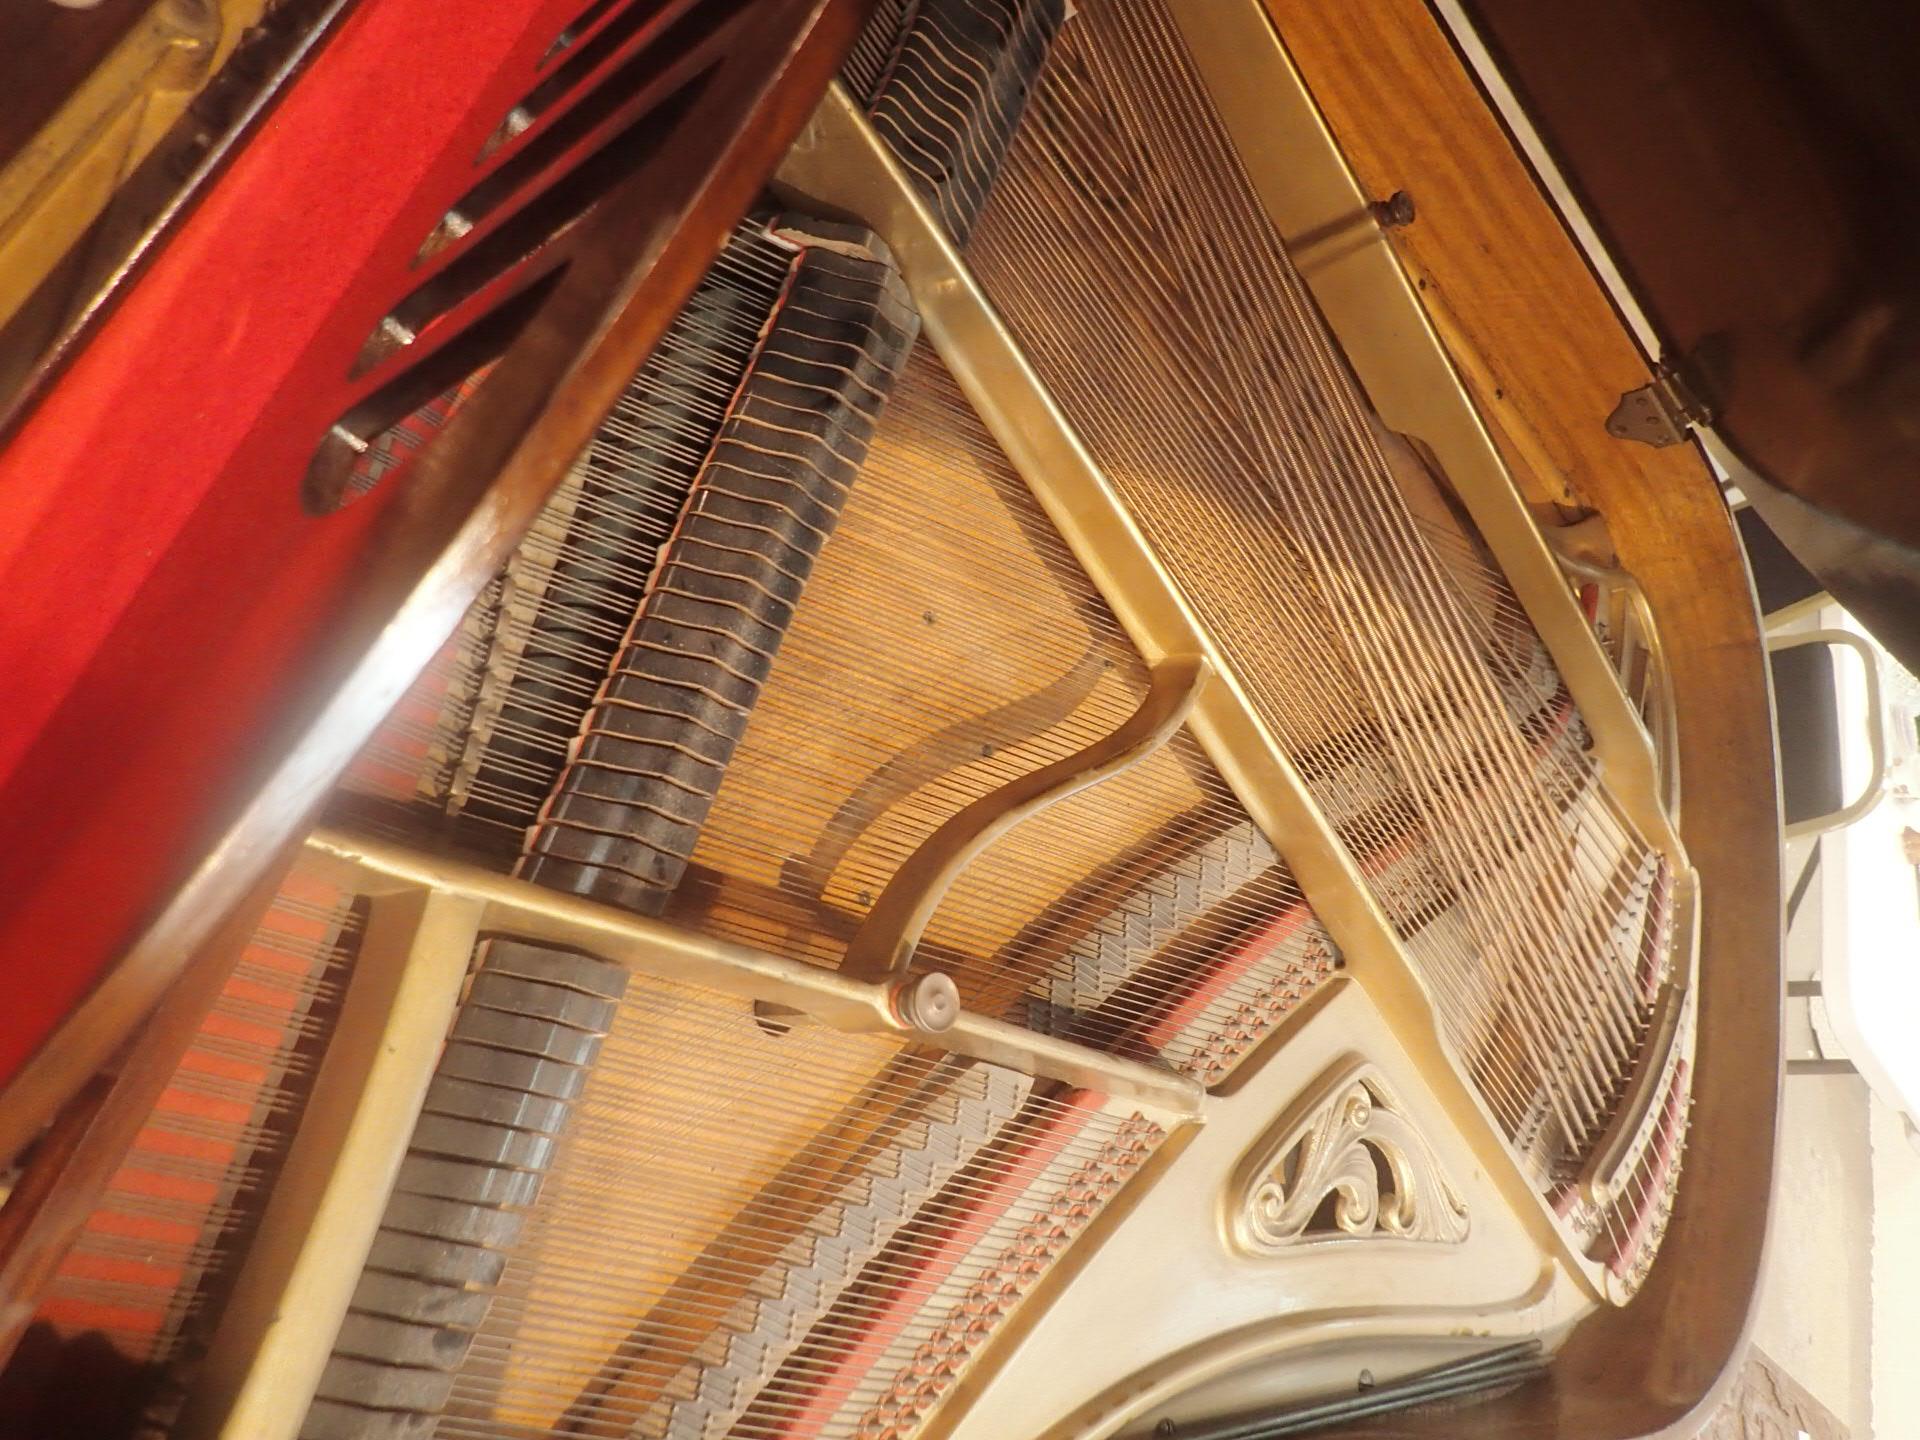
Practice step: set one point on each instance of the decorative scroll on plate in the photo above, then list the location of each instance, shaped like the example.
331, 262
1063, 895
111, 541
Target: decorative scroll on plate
1345, 1164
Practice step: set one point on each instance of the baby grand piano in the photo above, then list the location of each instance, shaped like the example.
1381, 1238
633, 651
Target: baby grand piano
951, 717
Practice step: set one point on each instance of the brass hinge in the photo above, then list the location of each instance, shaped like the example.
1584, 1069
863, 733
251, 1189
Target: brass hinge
1659, 413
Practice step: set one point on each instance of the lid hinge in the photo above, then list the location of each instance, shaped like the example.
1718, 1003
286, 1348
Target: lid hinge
1660, 412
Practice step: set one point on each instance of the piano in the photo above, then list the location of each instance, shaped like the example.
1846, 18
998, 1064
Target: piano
787, 718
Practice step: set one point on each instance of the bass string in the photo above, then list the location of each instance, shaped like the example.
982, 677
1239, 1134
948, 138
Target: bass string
635, 1154
605, 521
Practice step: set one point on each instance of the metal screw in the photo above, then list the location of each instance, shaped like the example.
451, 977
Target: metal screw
1393, 212
1366, 1379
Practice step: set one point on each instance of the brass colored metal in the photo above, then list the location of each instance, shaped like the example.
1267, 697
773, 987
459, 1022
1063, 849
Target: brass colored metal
278, 1330
1291, 1321
1339, 1140
1175, 1097
885, 942
671, 952
59, 181
840, 165
1660, 413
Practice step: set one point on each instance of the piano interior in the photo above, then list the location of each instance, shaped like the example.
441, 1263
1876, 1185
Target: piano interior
1043, 837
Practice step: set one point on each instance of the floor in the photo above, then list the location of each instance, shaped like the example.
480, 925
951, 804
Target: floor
1840, 1304
1769, 1404
1815, 1319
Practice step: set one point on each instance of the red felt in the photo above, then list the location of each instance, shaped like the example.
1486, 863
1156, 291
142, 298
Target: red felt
151, 1201
166, 592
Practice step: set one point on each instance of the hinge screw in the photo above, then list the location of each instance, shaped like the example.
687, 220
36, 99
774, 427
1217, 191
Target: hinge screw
1394, 212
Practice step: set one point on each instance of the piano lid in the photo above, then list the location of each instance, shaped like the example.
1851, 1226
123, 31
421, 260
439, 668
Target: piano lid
1752, 170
